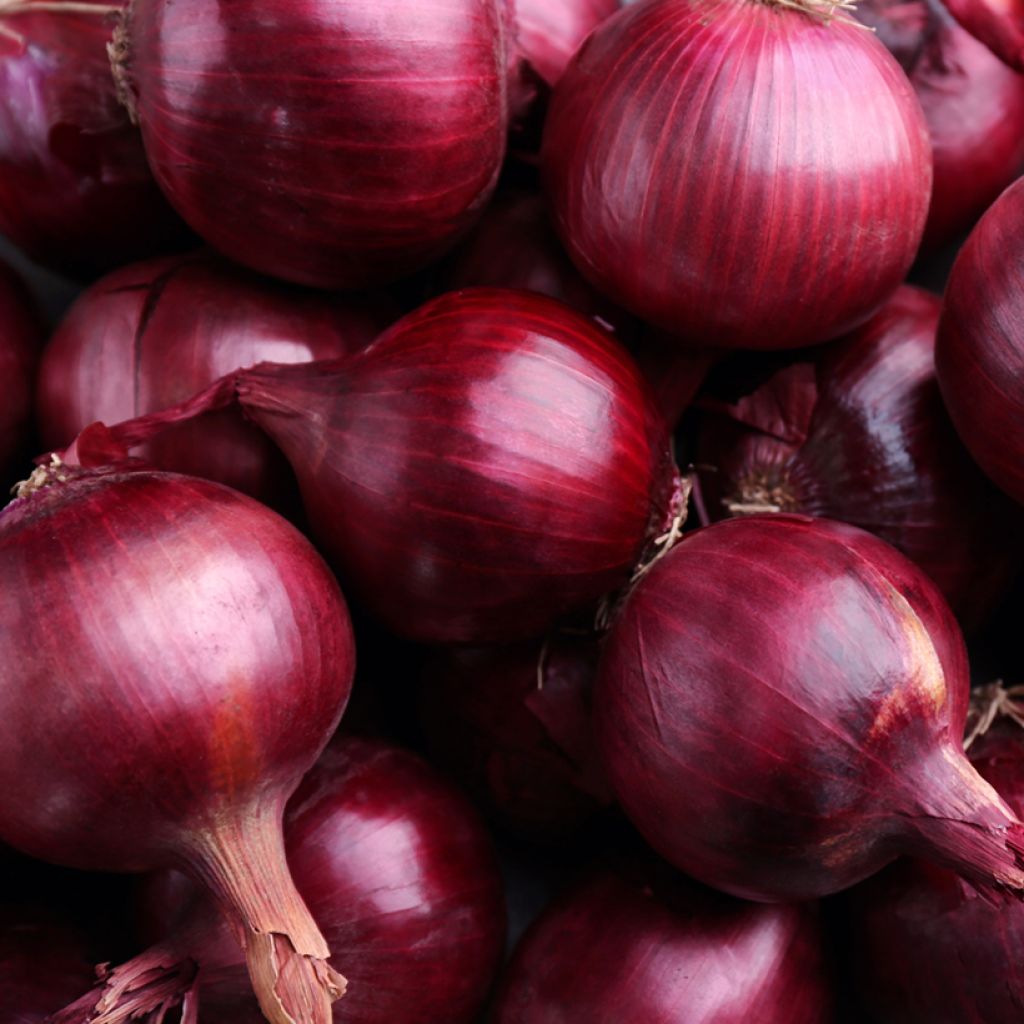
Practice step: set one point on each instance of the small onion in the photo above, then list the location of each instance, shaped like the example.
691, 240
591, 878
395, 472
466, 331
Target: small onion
979, 353
738, 174
76, 192
334, 143
617, 949
780, 708
20, 333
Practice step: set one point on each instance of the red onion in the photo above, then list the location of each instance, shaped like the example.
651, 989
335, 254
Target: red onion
492, 462
979, 354
548, 34
513, 725
334, 143
20, 332
76, 192
176, 658
972, 102
400, 877
152, 334
780, 706
857, 431
999, 24
797, 203
614, 949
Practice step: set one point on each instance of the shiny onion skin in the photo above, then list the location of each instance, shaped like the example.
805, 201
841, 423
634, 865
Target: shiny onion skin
400, 876
979, 353
999, 24
20, 334
76, 193
613, 950
797, 203
154, 333
971, 100
929, 950
857, 431
513, 724
334, 143
177, 657
780, 707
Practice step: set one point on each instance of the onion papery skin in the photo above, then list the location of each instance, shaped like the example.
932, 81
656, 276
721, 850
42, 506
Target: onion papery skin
550, 33
857, 431
399, 874
979, 353
20, 336
797, 203
492, 462
928, 949
612, 949
779, 707
332, 143
152, 334
972, 102
76, 193
178, 655
513, 725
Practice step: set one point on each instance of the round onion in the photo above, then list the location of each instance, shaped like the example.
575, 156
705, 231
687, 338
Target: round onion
780, 706
979, 354
20, 333
617, 949
176, 658
76, 192
334, 143
400, 877
796, 204
857, 431
152, 334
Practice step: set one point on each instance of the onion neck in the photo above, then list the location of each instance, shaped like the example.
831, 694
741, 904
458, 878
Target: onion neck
821, 10
763, 490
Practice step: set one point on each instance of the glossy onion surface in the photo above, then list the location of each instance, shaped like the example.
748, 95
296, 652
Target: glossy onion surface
152, 334
979, 354
20, 333
614, 949
738, 174
780, 707
75, 190
858, 432
334, 143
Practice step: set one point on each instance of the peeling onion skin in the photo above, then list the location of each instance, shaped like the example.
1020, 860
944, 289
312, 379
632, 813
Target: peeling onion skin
857, 431
612, 950
152, 334
20, 337
979, 353
797, 203
76, 193
780, 707
366, 166
178, 657
491, 463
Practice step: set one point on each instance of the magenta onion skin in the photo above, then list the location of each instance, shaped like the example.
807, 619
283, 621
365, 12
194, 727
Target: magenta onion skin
76, 193
367, 165
857, 431
780, 705
400, 876
152, 334
795, 207
20, 333
979, 353
550, 33
999, 24
930, 951
613, 949
513, 724
178, 656
492, 462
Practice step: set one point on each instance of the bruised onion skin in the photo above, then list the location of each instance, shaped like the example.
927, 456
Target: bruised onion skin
178, 656
930, 950
20, 333
400, 876
780, 705
613, 949
979, 353
736, 173
334, 143
152, 334
492, 462
513, 724
76, 193
857, 431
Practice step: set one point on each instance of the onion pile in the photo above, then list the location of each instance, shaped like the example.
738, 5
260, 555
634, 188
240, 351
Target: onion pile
19, 342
